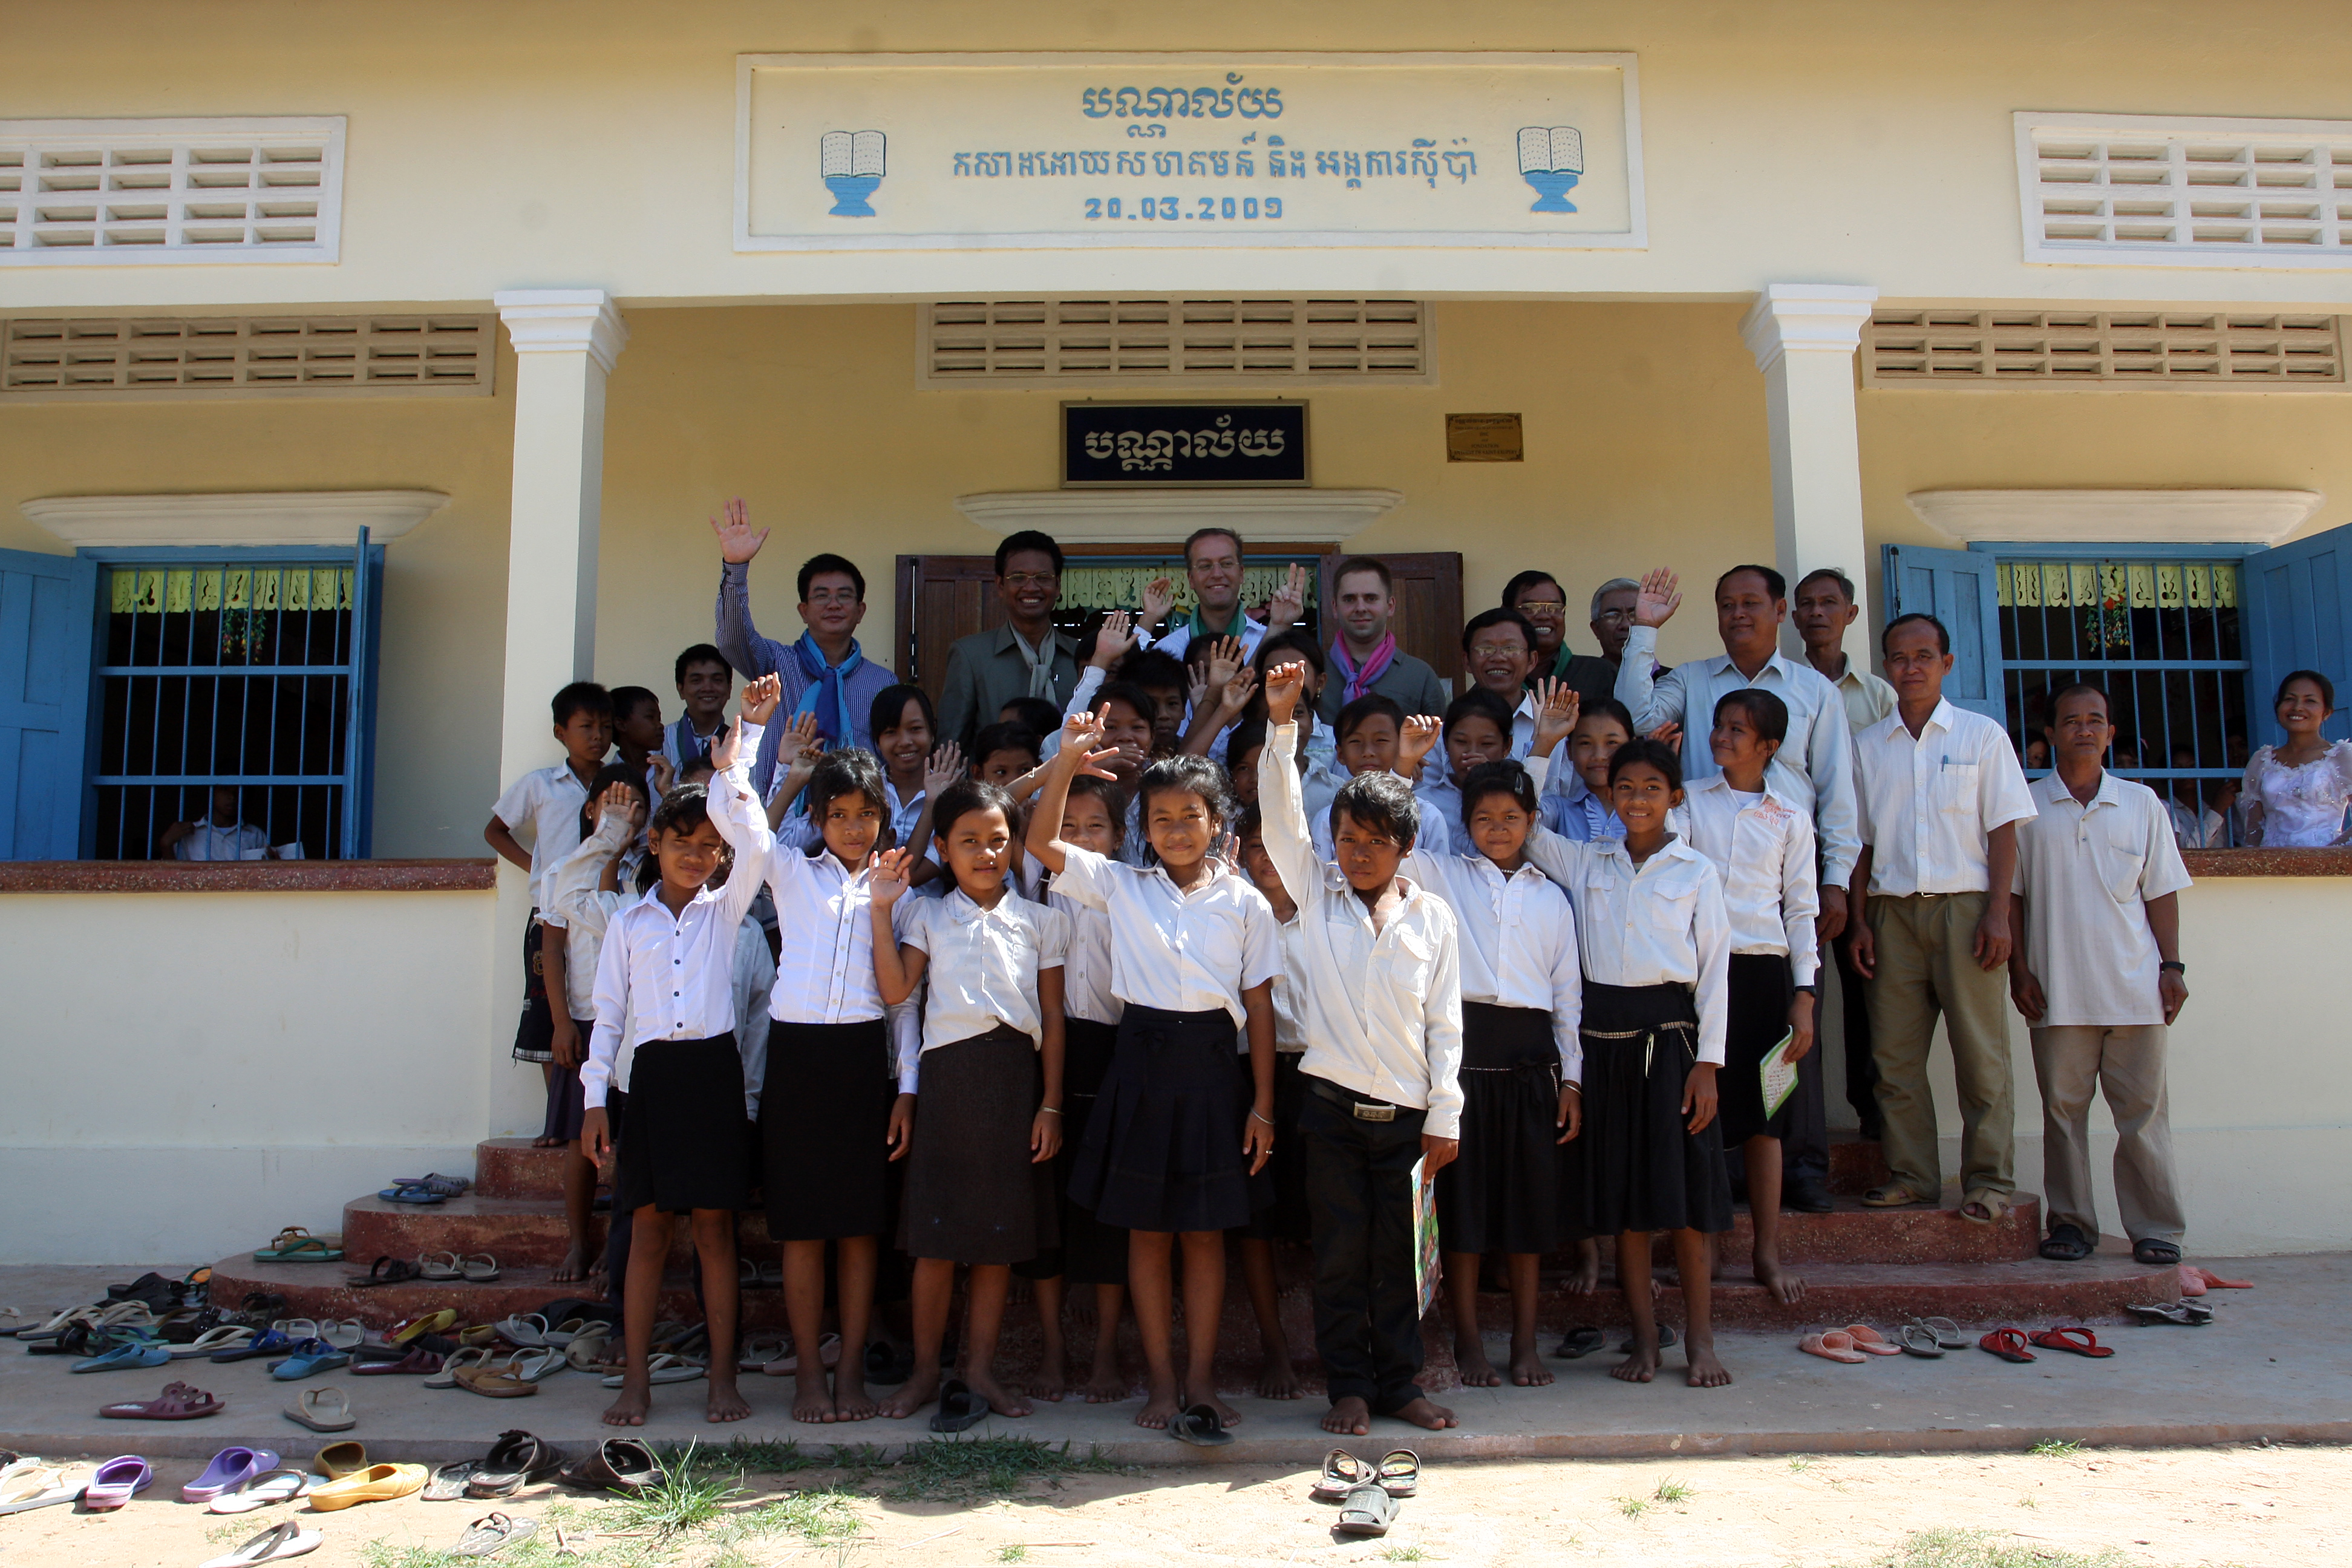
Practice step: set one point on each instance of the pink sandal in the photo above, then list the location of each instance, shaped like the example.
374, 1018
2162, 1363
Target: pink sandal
1832, 1346
1870, 1341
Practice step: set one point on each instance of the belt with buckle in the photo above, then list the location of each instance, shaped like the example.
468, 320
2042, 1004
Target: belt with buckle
1361, 1110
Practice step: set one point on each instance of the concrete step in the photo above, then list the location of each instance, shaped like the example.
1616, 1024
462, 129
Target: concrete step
511, 1168
518, 1232
1855, 1164
322, 1290
1852, 1234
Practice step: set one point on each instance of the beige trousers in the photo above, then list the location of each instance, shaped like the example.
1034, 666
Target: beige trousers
2128, 1062
1926, 971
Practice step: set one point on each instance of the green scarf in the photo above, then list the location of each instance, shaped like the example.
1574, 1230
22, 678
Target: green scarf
1201, 628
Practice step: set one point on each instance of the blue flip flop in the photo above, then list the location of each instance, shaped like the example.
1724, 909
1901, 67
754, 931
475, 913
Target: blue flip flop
311, 1358
411, 1193
269, 1341
138, 1354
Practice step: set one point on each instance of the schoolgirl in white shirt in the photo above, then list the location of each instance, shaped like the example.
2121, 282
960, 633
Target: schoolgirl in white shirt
1521, 1059
1477, 730
666, 975
1169, 1149
834, 1119
980, 1187
1655, 944
1763, 845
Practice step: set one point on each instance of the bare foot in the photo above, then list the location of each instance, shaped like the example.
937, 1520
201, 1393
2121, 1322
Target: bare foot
1162, 1404
1104, 1386
726, 1401
812, 1401
629, 1410
1051, 1383
1277, 1379
1001, 1400
1421, 1412
1470, 1362
1705, 1372
1351, 1417
600, 1283
1020, 1292
919, 1389
1527, 1369
574, 1267
1226, 1414
850, 1400
548, 1142
1586, 1276
1639, 1367
1785, 1286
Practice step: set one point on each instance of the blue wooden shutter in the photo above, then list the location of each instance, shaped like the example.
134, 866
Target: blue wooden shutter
1957, 587
2295, 604
49, 607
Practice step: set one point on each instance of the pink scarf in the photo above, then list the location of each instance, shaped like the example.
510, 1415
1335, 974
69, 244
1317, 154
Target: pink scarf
1359, 681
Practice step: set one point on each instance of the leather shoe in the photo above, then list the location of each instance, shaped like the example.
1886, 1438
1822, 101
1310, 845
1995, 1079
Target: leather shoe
1806, 1195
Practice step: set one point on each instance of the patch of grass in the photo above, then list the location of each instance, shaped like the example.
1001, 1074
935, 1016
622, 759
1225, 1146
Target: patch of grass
857, 1457
1988, 1548
818, 1514
2026, 1500
1672, 1491
385, 1555
1799, 1464
967, 1470
689, 1498
743, 1456
1016, 1552
1405, 1554
2055, 1448
1633, 1506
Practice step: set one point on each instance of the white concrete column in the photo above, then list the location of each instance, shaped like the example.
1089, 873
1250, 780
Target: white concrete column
1803, 336
565, 341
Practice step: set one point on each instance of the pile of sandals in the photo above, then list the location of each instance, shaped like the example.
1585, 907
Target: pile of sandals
1368, 1495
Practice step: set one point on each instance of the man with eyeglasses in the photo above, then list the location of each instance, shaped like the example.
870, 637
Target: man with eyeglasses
1025, 657
825, 672
1538, 597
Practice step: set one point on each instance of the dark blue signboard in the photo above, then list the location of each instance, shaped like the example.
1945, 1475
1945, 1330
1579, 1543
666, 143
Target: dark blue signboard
1117, 444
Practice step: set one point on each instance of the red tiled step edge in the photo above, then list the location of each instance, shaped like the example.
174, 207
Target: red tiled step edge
518, 1232
320, 1291
511, 1168
1855, 1164
1920, 1234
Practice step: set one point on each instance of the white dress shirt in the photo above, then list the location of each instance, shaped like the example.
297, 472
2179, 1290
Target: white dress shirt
575, 899
1174, 644
982, 964
1085, 961
801, 830
1762, 847
2086, 873
1289, 996
1383, 1007
665, 977
1661, 924
753, 974
239, 841
1814, 769
1519, 941
1929, 804
1180, 950
541, 810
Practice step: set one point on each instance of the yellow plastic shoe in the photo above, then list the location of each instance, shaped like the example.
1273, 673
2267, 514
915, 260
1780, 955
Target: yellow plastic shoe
377, 1483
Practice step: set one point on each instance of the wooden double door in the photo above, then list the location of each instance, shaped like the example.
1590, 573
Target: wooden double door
943, 597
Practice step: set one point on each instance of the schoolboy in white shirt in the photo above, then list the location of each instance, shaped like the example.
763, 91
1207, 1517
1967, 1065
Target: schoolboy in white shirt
2097, 974
1382, 985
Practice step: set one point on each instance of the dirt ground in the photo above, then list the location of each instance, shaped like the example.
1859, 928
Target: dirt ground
2167, 1509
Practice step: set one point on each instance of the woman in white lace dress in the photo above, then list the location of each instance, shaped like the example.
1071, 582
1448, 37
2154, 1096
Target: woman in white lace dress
2296, 794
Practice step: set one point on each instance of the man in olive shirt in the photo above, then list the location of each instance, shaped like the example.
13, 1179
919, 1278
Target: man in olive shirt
1025, 657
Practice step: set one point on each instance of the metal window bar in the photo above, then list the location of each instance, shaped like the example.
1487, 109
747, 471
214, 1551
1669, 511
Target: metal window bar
187, 640
2163, 638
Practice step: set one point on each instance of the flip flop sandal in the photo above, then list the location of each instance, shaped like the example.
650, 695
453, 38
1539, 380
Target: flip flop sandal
1832, 1347
1400, 1472
440, 1266
2212, 1281
526, 1329
2007, 1343
1919, 1340
586, 1352
1666, 1337
322, 1410
1343, 1473
493, 1534
2156, 1254
960, 1409
418, 1195
125, 1358
514, 1461
2171, 1313
828, 1354
447, 1187
1200, 1425
212, 1342
1870, 1341
1893, 1196
311, 1358
758, 1350
617, 1464
305, 1248
539, 1365
1581, 1341
498, 1384
663, 1368
1366, 1510
481, 1269
275, 1544
44, 1486
454, 1364
278, 1486
385, 1271
448, 1482
2067, 1244
230, 1469
1947, 1332
2073, 1337
417, 1362
56, 1325
347, 1335
117, 1482
268, 1341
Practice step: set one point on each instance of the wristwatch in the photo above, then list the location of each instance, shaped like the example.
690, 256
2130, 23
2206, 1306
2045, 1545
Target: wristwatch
2175, 965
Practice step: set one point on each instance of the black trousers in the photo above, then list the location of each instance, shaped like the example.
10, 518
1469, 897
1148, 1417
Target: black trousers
1860, 1067
1359, 1203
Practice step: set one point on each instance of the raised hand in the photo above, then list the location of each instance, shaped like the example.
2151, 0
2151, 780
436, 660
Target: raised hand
1420, 737
618, 800
945, 767
1236, 694
761, 697
1283, 682
1225, 658
892, 868
664, 775
1091, 763
1196, 686
1289, 600
1668, 734
738, 540
1661, 597
1558, 706
1112, 640
797, 740
1159, 598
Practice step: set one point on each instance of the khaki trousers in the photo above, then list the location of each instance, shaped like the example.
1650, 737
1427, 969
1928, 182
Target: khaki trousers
2128, 1062
1926, 970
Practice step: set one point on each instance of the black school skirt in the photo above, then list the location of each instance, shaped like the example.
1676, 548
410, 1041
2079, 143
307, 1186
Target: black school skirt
683, 1142
1163, 1149
1761, 991
534, 1039
1642, 1170
974, 1193
1501, 1193
1093, 1253
825, 1114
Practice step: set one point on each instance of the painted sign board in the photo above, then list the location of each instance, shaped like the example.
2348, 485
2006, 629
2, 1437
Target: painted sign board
982, 152
1163, 444
1483, 438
